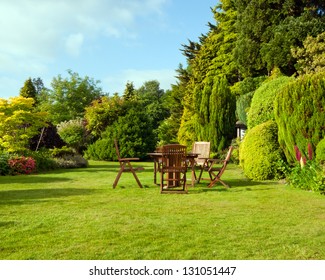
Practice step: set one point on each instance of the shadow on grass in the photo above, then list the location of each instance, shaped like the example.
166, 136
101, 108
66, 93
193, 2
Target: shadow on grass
240, 185
37, 195
7, 224
34, 179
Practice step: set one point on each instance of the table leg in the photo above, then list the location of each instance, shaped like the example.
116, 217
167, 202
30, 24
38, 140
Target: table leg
155, 163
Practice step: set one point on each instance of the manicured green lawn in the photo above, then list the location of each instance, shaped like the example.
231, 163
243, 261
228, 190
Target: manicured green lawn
76, 214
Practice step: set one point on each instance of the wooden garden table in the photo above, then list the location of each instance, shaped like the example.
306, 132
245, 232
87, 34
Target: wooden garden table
157, 156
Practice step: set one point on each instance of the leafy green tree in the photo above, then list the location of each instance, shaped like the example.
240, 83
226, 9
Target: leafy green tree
133, 132
69, 96
222, 119
267, 30
310, 57
210, 62
39, 85
103, 112
168, 129
129, 92
152, 100
19, 122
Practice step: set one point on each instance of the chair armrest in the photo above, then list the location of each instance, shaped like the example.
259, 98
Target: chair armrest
205, 158
215, 160
128, 159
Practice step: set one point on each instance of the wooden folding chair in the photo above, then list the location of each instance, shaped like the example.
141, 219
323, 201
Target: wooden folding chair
125, 166
203, 149
173, 169
215, 173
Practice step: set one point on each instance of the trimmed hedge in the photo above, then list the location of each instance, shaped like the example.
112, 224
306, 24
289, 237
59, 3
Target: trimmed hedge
259, 154
299, 113
261, 109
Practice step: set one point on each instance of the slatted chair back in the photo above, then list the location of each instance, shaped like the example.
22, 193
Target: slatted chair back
203, 149
173, 169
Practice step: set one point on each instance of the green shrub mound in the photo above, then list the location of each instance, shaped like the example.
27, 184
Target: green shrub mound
260, 154
102, 149
299, 113
320, 151
262, 108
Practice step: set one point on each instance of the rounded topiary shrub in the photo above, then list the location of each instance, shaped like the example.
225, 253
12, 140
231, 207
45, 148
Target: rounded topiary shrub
260, 154
261, 109
320, 151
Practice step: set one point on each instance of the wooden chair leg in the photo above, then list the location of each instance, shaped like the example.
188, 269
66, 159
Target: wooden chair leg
184, 185
216, 180
118, 176
161, 181
200, 176
135, 175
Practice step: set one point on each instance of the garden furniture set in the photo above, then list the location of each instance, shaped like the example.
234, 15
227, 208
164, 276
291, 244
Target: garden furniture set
173, 161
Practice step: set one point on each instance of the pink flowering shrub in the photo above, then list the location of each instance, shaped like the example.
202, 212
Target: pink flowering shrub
22, 165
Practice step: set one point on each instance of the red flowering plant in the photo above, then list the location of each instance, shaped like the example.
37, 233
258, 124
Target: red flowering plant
307, 174
22, 165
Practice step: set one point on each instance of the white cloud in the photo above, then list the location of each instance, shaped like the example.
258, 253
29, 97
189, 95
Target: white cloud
116, 83
40, 30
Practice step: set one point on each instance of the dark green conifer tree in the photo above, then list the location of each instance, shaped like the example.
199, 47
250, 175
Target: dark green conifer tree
28, 90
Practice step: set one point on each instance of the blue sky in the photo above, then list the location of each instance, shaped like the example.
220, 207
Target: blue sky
108, 40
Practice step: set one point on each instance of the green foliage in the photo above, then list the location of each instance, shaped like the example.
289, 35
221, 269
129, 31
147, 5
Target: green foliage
102, 149
291, 32
4, 163
267, 30
73, 133
310, 177
44, 160
310, 57
243, 103
28, 90
167, 131
210, 61
244, 91
152, 99
261, 109
214, 115
69, 96
102, 113
134, 134
19, 123
320, 151
260, 154
63, 151
299, 113
222, 108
